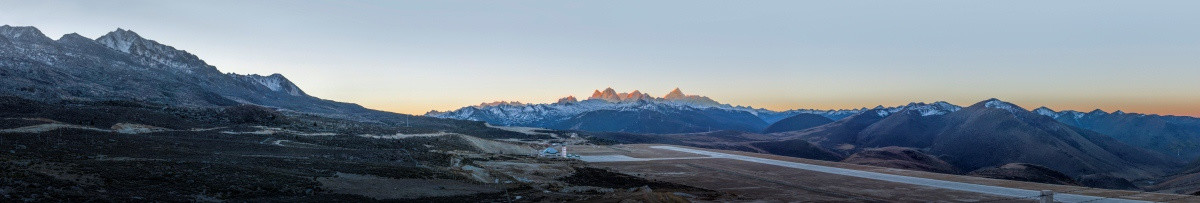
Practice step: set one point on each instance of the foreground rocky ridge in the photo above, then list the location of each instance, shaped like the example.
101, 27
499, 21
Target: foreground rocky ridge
124, 118
131, 151
123, 65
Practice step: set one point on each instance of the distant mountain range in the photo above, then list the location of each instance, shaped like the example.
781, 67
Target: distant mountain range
637, 112
990, 133
1177, 136
122, 65
633, 112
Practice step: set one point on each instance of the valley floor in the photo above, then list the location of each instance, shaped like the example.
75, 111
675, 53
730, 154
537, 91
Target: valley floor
770, 177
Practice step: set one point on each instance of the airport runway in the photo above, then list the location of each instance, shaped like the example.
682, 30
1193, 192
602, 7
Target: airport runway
706, 156
986, 189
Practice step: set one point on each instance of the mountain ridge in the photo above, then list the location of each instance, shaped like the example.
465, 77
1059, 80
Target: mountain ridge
123, 65
685, 113
1008, 132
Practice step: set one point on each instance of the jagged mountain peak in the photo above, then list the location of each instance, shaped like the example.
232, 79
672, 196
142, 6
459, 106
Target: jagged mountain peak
931, 109
675, 94
636, 96
130, 42
611, 95
96, 70
275, 82
568, 99
498, 103
22, 33
123, 40
125, 33
608, 95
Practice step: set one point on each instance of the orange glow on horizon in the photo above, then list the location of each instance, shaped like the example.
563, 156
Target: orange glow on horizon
1163, 108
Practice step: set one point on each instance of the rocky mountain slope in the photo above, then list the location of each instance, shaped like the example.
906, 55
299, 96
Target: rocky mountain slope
79, 151
797, 122
1025, 172
1178, 136
992, 133
123, 65
124, 118
1186, 181
901, 158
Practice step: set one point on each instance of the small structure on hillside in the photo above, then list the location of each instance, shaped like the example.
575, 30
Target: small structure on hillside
549, 151
552, 151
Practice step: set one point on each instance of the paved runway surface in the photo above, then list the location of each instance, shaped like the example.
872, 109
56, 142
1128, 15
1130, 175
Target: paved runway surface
893, 178
986, 189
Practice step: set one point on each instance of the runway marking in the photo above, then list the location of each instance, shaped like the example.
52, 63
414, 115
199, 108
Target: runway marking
623, 158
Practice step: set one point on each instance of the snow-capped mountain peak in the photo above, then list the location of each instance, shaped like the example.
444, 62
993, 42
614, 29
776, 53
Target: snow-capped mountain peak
121, 40
568, 99
936, 108
547, 115
882, 112
998, 104
130, 42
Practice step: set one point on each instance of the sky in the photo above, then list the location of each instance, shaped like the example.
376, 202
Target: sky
415, 56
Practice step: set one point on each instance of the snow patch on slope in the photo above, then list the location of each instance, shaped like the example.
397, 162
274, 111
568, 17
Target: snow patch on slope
274, 82
934, 109
1046, 112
